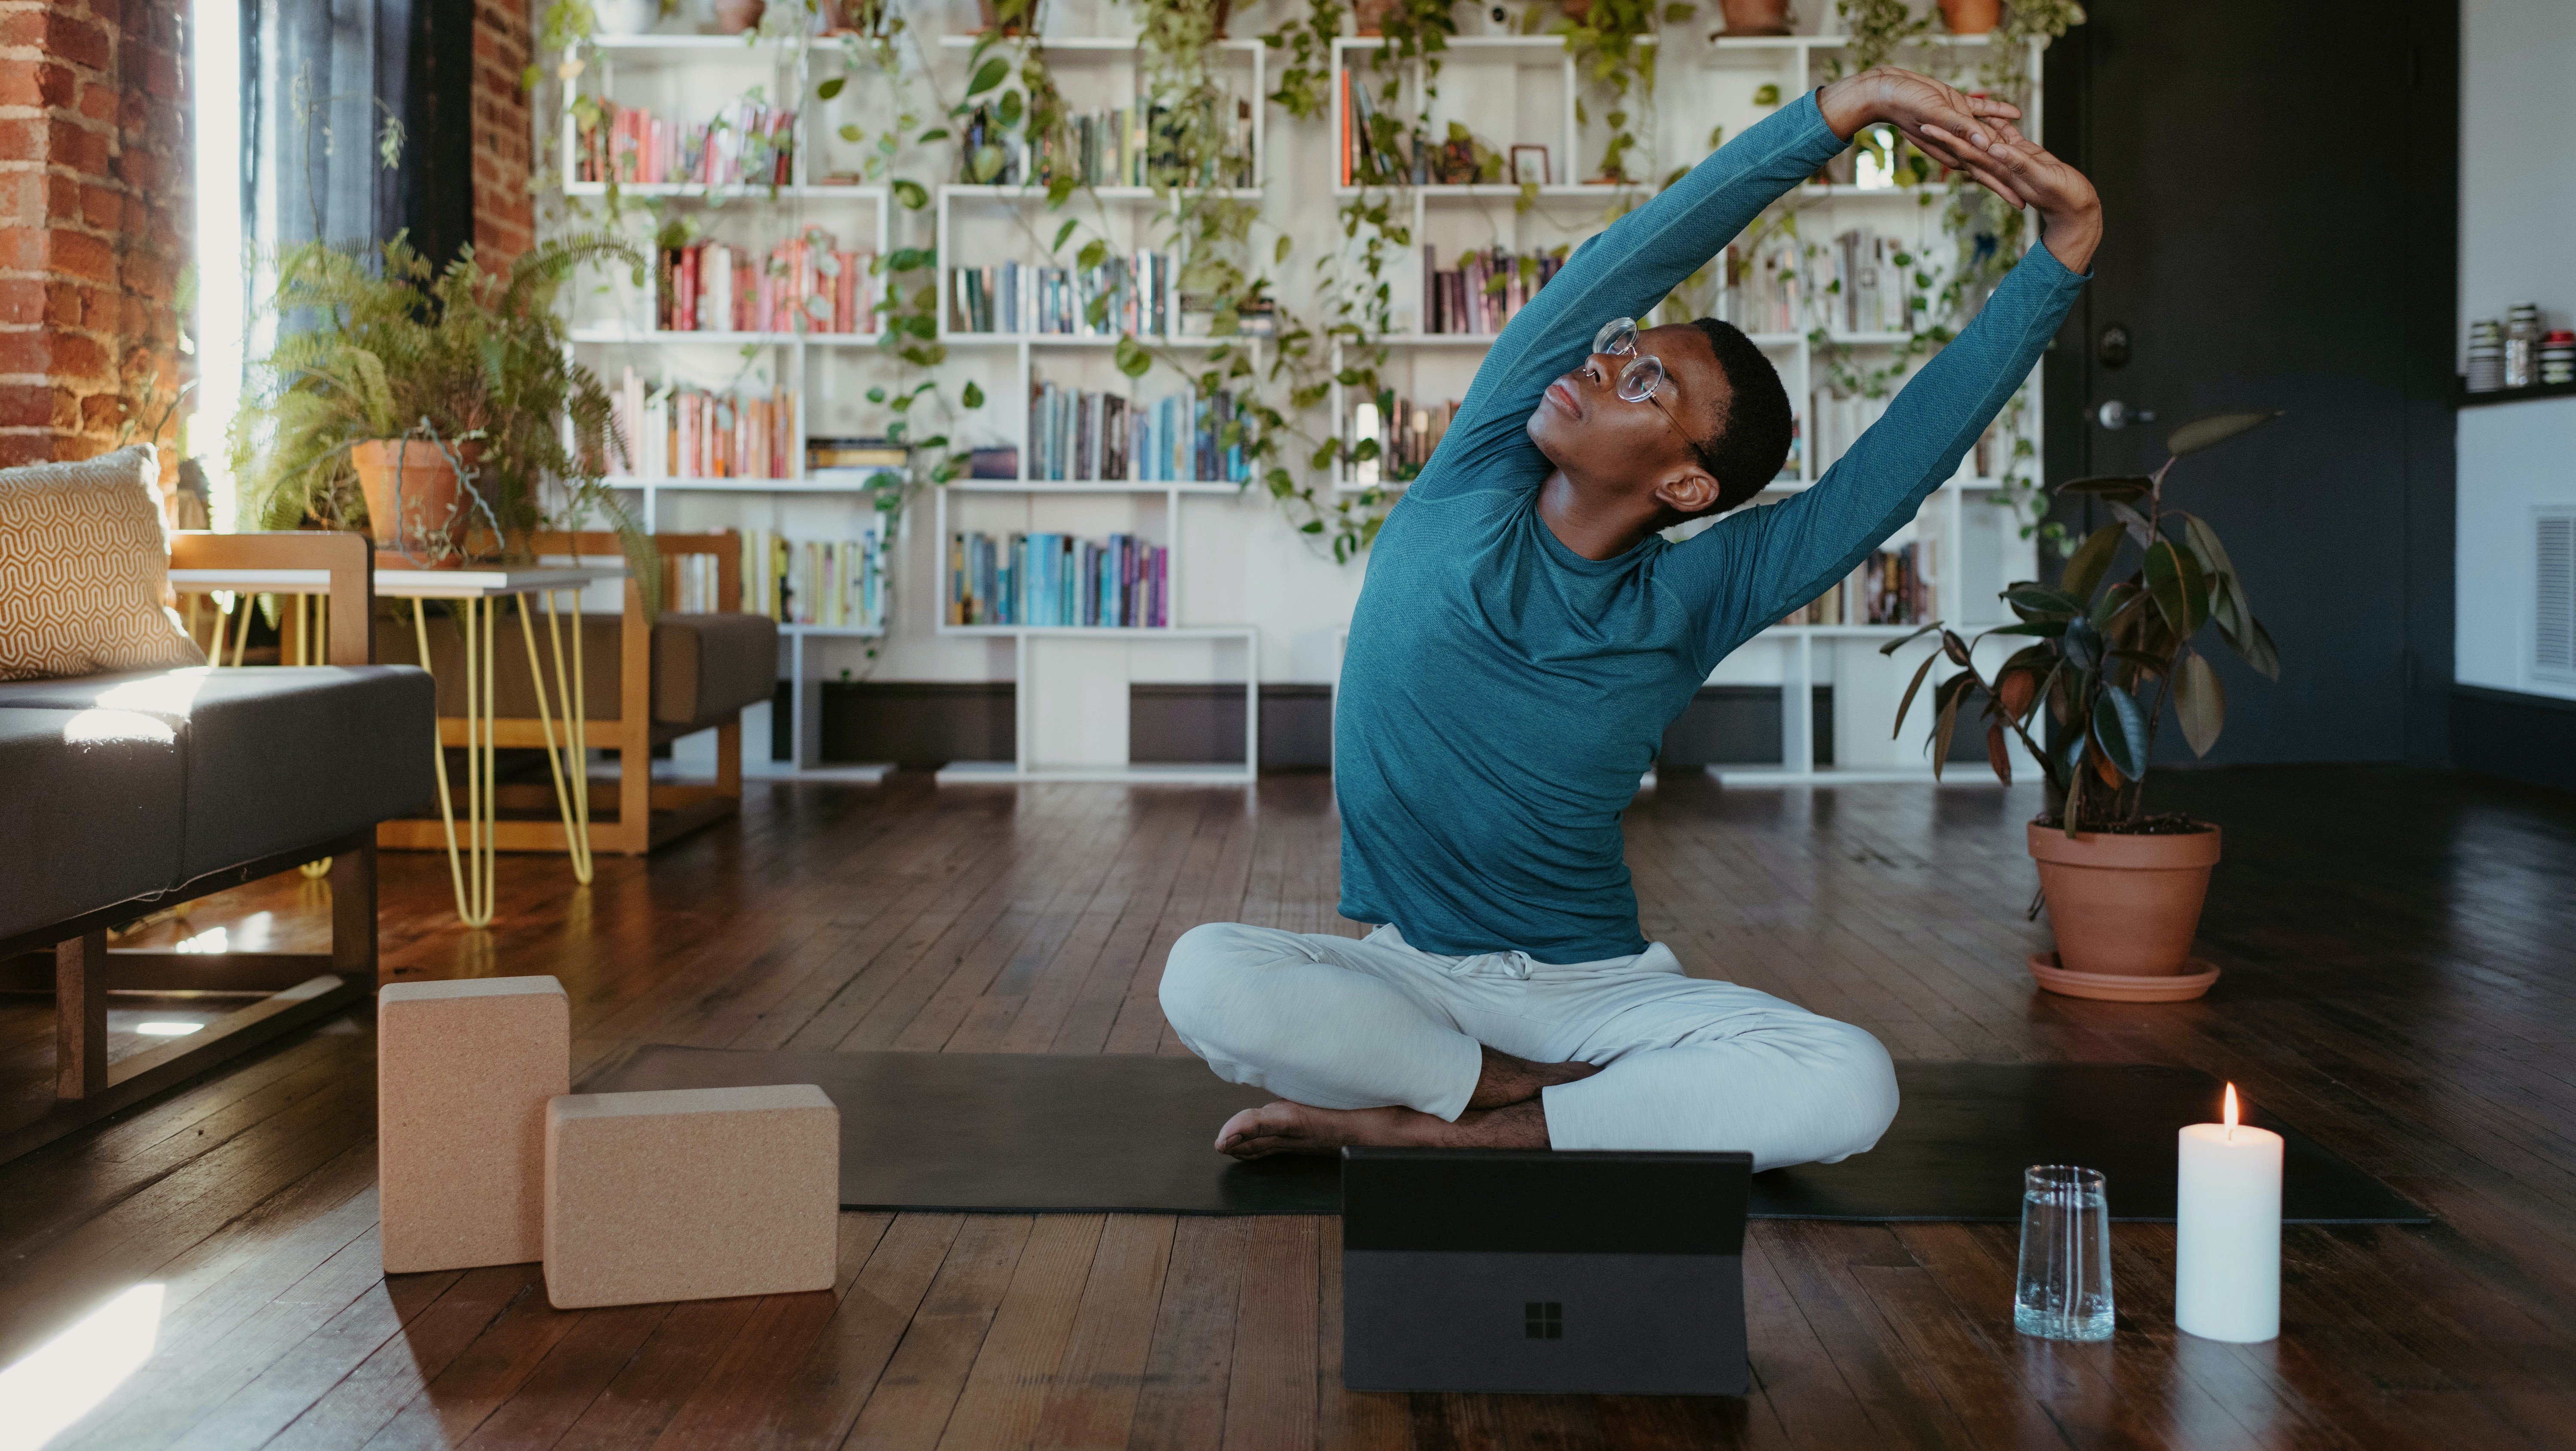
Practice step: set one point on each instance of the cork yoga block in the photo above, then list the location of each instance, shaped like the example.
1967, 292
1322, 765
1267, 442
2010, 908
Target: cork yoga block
464, 1070
690, 1194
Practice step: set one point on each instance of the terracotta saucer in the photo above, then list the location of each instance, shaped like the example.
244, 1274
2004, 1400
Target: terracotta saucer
2121, 987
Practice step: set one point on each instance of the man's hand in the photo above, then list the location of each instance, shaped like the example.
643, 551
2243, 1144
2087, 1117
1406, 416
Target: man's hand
1976, 135
2019, 170
1909, 102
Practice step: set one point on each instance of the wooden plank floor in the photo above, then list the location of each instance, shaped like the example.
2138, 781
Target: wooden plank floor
2400, 983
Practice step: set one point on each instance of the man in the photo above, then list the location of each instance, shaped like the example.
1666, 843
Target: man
1522, 641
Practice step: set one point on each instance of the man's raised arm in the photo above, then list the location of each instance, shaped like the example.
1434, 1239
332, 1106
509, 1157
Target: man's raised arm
1626, 269
1758, 564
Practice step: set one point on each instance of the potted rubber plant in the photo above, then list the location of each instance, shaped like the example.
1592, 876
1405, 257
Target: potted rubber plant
429, 406
2111, 654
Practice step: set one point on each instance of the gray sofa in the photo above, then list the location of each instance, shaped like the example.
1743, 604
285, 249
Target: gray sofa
124, 793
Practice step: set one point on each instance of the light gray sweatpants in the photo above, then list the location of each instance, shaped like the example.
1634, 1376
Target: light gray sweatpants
1686, 1064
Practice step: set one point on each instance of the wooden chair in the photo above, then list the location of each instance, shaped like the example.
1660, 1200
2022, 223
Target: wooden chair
619, 657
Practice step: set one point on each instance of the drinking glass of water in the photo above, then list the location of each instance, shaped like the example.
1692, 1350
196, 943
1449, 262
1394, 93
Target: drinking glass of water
2064, 1289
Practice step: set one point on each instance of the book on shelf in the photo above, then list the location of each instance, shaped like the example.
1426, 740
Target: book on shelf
1143, 144
677, 431
1405, 432
1761, 291
808, 283
1485, 291
874, 452
1130, 295
1043, 580
1887, 589
747, 143
1868, 291
832, 583
1176, 437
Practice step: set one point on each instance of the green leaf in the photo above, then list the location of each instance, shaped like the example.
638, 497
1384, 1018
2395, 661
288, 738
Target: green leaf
876, 395
2200, 702
1949, 693
1280, 252
1060, 190
1892, 646
2082, 644
2122, 487
910, 193
2255, 647
2120, 729
1132, 358
1061, 233
2092, 560
1010, 110
926, 137
1766, 94
1912, 686
1093, 253
987, 164
2208, 432
972, 395
2181, 591
2038, 602
2136, 523
851, 133
988, 75
830, 88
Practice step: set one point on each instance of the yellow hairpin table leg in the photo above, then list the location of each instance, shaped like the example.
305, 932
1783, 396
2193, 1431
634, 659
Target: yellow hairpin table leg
576, 822
472, 869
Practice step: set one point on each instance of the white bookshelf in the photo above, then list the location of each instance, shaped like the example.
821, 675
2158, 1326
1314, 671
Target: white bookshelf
685, 78
1735, 65
1500, 85
1068, 729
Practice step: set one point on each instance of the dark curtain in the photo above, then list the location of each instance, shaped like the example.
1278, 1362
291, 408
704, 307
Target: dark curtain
321, 80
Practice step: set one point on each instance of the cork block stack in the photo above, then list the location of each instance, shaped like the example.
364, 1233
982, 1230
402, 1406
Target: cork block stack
486, 1157
690, 1194
463, 1073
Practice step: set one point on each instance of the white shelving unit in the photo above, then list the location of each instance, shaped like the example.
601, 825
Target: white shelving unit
985, 225
1792, 63
686, 78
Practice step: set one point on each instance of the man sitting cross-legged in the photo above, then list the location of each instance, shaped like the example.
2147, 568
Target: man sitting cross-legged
1522, 641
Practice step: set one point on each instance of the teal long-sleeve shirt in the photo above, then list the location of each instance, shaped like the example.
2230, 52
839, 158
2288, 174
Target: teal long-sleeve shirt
1501, 695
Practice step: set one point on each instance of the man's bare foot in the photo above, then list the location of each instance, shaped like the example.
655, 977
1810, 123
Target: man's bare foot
1294, 1128
1507, 1080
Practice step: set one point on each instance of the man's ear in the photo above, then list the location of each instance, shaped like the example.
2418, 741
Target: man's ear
1689, 490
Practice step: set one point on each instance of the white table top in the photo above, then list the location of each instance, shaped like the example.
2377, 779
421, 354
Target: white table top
426, 584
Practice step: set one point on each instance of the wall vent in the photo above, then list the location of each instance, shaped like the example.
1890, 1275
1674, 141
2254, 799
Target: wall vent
2553, 597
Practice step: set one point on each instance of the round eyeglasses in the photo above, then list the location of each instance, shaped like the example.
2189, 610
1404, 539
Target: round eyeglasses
1643, 373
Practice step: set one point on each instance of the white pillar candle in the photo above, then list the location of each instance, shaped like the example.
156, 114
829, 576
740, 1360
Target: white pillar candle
2227, 1231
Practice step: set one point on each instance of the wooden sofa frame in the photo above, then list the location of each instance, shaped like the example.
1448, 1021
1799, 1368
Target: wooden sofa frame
301, 986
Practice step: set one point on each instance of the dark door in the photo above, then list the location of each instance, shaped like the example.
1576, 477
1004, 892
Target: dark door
2279, 189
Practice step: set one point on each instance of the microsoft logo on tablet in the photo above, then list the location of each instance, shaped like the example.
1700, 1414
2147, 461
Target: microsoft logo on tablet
1543, 1319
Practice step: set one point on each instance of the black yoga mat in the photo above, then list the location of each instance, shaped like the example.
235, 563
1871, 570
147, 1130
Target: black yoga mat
1031, 1133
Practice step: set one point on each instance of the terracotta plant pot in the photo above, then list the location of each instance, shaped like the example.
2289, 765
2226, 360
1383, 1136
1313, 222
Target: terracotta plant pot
2123, 906
733, 17
416, 504
1971, 17
1755, 17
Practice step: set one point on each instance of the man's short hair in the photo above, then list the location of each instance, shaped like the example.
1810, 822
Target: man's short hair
1753, 432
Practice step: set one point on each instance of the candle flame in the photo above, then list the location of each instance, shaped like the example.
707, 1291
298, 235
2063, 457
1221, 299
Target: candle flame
2231, 1113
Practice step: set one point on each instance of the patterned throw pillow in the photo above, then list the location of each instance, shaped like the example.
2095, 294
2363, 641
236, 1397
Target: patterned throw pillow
84, 570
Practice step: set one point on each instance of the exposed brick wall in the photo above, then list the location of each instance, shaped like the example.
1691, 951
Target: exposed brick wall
96, 205
505, 219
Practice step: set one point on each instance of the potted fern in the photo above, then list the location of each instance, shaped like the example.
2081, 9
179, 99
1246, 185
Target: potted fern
427, 405
2111, 654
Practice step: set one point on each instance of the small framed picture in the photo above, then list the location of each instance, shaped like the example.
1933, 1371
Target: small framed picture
1529, 166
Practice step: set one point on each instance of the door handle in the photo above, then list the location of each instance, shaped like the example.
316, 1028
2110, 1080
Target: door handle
2116, 414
